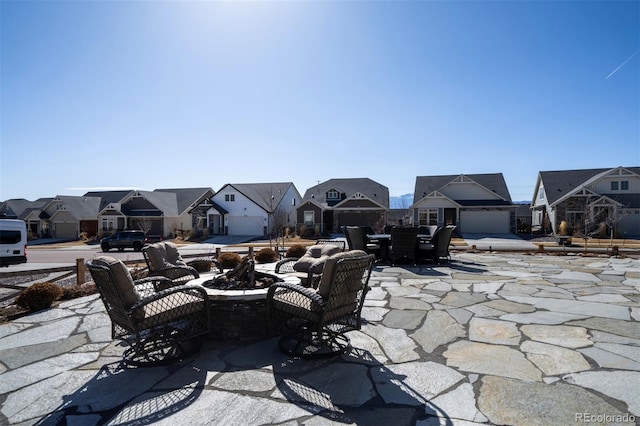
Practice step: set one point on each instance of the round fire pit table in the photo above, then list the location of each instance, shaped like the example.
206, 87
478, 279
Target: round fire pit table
239, 314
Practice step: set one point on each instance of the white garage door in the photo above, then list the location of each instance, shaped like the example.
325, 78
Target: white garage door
65, 230
246, 225
484, 222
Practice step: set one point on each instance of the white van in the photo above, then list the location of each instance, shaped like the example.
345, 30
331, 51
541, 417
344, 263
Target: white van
13, 242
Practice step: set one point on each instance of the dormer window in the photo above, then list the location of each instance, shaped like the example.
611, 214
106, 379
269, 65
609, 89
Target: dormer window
229, 197
333, 195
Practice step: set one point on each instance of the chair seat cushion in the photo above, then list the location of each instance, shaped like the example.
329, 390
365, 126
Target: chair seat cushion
426, 246
167, 309
122, 278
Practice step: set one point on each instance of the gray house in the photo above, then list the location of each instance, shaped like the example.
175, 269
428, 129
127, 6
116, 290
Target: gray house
159, 213
476, 203
332, 204
588, 201
29, 211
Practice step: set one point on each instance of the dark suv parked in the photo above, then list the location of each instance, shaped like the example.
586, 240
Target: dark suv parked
124, 239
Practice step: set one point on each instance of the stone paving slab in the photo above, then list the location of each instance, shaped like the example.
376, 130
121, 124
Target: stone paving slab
499, 338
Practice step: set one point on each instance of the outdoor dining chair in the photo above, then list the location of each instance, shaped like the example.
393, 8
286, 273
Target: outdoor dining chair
438, 248
404, 243
160, 326
357, 240
314, 322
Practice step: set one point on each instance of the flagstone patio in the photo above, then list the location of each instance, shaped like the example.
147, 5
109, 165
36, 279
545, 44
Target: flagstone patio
493, 338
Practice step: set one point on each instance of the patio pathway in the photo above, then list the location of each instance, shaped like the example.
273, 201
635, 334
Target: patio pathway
488, 339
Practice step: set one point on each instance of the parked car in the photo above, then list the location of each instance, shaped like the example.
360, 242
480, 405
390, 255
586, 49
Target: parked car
13, 242
124, 239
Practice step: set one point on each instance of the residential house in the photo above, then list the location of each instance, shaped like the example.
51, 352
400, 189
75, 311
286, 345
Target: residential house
588, 201
475, 203
334, 203
191, 215
29, 211
156, 213
253, 208
67, 216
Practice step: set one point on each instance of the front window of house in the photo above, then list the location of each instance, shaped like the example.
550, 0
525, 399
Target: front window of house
309, 217
614, 185
428, 217
229, 197
624, 185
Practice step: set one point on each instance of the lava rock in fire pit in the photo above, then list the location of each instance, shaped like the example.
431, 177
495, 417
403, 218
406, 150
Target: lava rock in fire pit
242, 277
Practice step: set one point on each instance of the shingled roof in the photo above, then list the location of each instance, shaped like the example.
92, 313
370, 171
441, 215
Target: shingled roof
349, 186
492, 181
560, 183
261, 193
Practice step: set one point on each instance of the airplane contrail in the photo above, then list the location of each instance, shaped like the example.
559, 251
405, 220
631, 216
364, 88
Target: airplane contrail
622, 64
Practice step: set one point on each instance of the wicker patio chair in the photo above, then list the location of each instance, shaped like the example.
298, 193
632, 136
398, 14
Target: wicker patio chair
308, 267
314, 322
357, 240
163, 259
338, 243
438, 248
404, 243
160, 326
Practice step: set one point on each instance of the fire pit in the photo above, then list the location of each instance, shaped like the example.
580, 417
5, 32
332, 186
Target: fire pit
238, 301
242, 277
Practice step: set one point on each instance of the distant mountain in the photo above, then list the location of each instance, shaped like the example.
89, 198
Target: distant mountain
401, 202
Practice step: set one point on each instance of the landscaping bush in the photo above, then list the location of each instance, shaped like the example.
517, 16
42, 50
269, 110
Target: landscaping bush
266, 255
200, 265
39, 296
296, 250
229, 260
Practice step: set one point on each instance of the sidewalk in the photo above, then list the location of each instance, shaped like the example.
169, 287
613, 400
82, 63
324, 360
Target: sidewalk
490, 338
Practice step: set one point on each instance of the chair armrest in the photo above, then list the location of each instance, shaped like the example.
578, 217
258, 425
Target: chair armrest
309, 293
285, 265
176, 272
152, 284
193, 290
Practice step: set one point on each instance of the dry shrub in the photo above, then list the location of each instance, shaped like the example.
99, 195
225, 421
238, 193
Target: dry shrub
200, 265
266, 255
85, 289
563, 228
229, 260
296, 250
39, 296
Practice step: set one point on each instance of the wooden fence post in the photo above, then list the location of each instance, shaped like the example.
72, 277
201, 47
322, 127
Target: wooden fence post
80, 269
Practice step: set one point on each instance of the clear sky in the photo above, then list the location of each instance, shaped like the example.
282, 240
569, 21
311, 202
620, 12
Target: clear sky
170, 94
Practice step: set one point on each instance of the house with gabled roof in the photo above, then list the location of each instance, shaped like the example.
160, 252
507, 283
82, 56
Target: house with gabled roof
335, 203
475, 203
66, 216
29, 211
191, 213
156, 213
253, 209
588, 201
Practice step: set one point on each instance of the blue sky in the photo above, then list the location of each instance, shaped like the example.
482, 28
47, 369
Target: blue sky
168, 94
